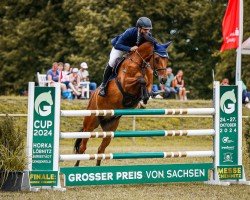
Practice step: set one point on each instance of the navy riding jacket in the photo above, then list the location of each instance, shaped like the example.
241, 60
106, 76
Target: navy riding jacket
128, 39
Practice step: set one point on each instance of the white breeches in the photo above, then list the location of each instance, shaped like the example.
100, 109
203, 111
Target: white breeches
114, 54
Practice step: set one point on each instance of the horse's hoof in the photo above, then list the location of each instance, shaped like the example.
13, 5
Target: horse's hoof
141, 105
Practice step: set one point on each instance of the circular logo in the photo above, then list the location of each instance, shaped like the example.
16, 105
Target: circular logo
226, 107
41, 98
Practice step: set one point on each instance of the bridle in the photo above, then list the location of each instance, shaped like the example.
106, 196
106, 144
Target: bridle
147, 64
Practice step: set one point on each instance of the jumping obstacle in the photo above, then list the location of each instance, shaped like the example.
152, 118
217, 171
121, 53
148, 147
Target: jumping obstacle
155, 133
119, 112
44, 133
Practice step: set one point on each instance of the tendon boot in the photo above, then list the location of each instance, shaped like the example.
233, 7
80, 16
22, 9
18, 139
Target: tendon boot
106, 76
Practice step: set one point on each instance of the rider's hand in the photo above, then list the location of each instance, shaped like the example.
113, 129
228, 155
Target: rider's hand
133, 48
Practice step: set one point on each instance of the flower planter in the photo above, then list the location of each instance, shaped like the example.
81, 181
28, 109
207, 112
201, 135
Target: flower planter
11, 181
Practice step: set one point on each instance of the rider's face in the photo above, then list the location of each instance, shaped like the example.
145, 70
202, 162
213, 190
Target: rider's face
144, 30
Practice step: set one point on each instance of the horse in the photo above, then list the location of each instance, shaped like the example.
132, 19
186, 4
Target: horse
133, 83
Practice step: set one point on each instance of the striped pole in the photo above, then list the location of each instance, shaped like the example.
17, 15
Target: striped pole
119, 112
136, 155
153, 133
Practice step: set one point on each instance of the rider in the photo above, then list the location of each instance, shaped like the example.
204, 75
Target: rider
126, 42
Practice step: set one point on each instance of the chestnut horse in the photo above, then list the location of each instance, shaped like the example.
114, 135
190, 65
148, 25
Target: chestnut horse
133, 83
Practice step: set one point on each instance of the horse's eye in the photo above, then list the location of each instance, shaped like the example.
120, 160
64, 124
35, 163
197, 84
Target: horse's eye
157, 59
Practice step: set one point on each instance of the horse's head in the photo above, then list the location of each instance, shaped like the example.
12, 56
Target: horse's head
159, 61
150, 58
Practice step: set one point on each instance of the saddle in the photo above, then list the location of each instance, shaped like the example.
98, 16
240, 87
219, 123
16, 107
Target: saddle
118, 63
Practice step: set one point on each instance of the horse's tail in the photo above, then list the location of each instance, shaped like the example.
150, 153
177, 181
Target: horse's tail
77, 145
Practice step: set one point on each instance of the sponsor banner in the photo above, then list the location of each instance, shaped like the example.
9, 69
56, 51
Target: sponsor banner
43, 178
230, 172
43, 128
228, 125
77, 176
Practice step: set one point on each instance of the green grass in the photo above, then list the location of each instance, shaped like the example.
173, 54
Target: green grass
147, 191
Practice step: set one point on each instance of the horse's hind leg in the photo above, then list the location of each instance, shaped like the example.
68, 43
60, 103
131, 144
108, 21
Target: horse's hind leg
82, 148
90, 123
107, 126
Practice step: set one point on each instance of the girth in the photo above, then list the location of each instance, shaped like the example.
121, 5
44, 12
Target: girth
128, 100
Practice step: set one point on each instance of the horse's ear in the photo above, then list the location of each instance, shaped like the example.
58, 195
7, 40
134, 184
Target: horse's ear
167, 44
149, 38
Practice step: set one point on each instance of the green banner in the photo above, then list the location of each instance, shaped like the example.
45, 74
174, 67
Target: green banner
228, 125
43, 178
43, 128
230, 172
77, 176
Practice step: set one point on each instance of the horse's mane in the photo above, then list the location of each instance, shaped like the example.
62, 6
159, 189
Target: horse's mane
145, 47
145, 44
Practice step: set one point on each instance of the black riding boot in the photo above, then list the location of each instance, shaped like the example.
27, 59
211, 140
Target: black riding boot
107, 74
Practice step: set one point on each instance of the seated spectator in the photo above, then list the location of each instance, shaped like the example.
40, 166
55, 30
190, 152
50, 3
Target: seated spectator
179, 85
60, 69
53, 76
65, 74
245, 94
168, 87
65, 78
84, 76
74, 82
83, 72
225, 81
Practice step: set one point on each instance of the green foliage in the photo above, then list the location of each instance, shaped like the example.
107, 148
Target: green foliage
34, 34
247, 136
12, 147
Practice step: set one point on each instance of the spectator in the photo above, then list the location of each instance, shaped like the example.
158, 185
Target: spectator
168, 87
245, 94
74, 82
83, 72
53, 76
179, 85
60, 69
84, 76
65, 74
66, 79
225, 81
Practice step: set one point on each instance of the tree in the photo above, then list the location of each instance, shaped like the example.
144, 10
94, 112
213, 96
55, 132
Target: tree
34, 34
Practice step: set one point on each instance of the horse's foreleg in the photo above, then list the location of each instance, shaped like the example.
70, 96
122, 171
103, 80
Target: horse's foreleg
102, 147
107, 126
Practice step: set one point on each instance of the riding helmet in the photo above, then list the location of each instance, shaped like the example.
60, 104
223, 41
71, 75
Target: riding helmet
144, 22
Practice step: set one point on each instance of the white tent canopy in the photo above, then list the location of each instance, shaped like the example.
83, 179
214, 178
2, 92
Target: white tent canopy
246, 47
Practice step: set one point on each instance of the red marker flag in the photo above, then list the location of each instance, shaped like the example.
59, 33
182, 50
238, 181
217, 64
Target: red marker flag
230, 26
